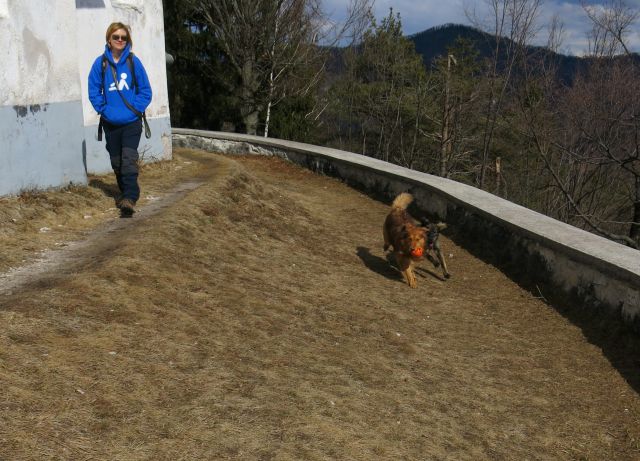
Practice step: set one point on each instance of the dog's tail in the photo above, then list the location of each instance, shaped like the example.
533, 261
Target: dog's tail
402, 201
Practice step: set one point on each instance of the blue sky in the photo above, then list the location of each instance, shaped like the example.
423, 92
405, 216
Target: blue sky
418, 15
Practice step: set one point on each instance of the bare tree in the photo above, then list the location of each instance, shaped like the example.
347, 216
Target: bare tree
512, 25
454, 124
616, 119
382, 95
292, 47
265, 41
611, 24
446, 139
302, 43
588, 135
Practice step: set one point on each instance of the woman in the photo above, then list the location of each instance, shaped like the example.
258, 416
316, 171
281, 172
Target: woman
120, 92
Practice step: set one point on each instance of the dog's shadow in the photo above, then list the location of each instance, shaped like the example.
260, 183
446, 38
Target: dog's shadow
423, 272
387, 266
383, 266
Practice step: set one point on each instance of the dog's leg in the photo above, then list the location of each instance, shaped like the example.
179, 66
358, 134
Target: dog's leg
438, 252
432, 260
385, 234
412, 276
405, 265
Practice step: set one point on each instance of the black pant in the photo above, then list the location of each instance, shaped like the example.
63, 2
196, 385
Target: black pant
122, 145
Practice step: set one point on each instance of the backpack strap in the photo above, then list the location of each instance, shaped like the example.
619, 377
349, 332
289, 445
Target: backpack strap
132, 69
141, 115
104, 92
104, 66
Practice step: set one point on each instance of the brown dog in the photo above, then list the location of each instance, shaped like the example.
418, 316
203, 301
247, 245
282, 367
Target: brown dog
410, 241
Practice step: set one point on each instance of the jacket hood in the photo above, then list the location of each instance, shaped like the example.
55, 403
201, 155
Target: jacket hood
123, 56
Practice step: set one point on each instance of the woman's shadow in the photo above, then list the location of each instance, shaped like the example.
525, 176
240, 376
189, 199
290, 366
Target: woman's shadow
110, 190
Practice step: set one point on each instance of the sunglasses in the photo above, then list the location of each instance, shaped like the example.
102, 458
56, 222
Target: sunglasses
118, 38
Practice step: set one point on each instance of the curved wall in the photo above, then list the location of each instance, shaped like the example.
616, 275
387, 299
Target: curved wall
561, 261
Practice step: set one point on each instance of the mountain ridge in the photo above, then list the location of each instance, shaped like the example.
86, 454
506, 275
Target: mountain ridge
435, 41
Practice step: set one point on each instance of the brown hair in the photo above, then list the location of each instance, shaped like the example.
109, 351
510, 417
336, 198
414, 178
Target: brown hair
115, 26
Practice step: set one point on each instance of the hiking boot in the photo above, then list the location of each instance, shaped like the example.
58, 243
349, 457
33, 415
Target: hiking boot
127, 206
119, 201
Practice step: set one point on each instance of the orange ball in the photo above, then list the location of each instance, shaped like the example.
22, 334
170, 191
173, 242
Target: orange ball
417, 252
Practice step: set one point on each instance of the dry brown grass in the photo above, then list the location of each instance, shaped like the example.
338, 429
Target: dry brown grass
258, 319
35, 221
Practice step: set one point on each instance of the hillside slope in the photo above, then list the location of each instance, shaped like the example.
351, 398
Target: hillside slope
256, 317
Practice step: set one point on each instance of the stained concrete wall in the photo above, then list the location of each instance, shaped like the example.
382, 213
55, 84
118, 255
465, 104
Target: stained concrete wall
41, 129
146, 21
47, 124
564, 263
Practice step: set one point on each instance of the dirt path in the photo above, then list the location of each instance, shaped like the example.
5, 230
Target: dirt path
75, 255
251, 314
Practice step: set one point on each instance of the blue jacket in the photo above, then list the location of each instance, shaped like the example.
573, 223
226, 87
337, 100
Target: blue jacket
110, 105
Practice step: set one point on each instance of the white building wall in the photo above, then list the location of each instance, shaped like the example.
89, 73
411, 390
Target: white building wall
41, 132
47, 124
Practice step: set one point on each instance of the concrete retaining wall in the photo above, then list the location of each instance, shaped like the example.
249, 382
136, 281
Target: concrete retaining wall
561, 261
